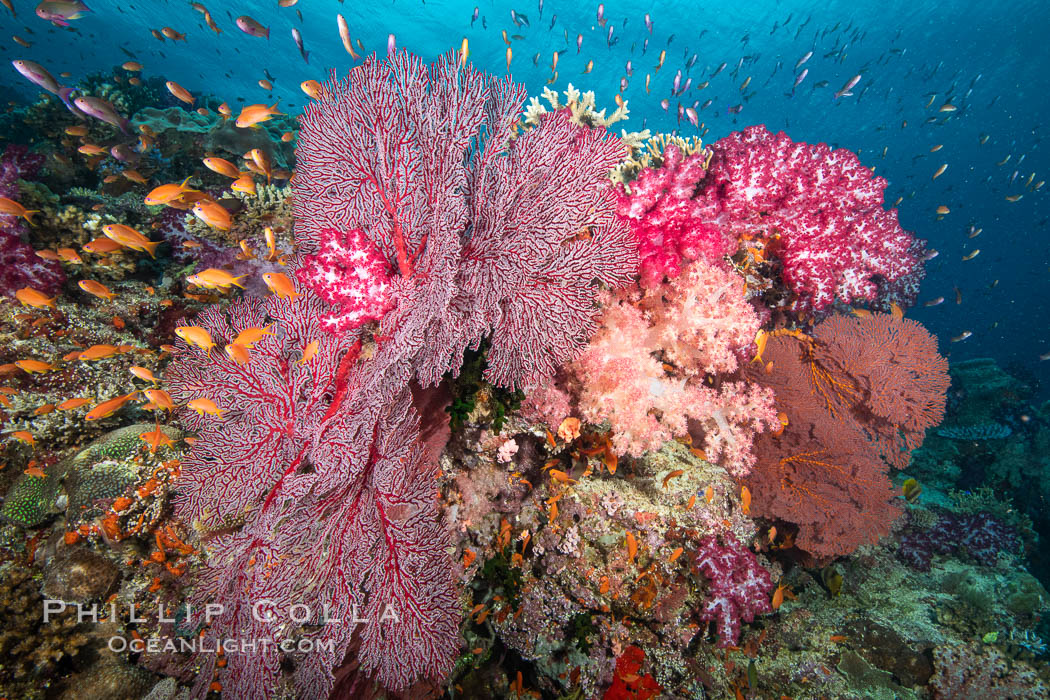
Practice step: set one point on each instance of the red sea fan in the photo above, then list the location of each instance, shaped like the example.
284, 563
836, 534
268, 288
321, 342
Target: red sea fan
858, 394
835, 239
901, 377
489, 232
311, 516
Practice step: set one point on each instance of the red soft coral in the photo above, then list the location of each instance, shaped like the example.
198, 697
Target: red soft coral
628, 682
835, 239
668, 221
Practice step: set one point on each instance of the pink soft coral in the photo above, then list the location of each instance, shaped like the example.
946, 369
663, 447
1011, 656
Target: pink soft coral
705, 321
702, 324
667, 220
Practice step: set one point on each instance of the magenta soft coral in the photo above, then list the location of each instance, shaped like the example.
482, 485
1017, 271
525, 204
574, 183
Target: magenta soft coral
20, 266
352, 275
668, 221
835, 239
738, 587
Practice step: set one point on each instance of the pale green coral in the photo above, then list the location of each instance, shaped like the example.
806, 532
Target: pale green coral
30, 500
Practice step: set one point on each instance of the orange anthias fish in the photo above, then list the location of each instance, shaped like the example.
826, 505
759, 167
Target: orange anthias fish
108, 408
70, 256
160, 398
156, 438
214, 278
309, 351
34, 366
195, 335
24, 436
96, 289
256, 114
31, 297
243, 184
98, 352
238, 354
205, 406
101, 246
280, 284
222, 167
179, 92
10, 206
745, 500
130, 238
70, 404
311, 88
143, 373
213, 214
262, 160
166, 193
760, 340
250, 336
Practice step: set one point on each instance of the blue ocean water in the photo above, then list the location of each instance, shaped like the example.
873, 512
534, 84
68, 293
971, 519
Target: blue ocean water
986, 58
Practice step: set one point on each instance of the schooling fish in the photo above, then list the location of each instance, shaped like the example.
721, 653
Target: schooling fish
802, 60
252, 28
344, 35
255, 114
59, 12
103, 111
799, 79
850, 84
299, 43
38, 75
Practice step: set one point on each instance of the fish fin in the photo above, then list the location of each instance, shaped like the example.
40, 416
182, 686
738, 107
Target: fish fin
306, 57
27, 212
274, 106
151, 248
183, 185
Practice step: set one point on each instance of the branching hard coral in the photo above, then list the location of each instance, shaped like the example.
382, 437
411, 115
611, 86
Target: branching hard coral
649, 153
583, 108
